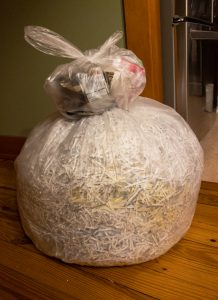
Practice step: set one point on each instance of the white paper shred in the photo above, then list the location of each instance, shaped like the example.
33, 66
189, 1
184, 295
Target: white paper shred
114, 189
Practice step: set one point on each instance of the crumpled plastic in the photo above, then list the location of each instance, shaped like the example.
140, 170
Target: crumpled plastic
95, 80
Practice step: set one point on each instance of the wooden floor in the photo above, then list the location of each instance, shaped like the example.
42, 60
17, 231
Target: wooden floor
188, 271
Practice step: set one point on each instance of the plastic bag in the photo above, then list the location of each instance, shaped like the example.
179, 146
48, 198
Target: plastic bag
113, 189
96, 80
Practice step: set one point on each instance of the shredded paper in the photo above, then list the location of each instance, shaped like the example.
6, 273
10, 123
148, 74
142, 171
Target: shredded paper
112, 178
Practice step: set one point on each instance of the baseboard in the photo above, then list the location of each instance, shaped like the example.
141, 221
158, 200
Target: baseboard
212, 186
10, 146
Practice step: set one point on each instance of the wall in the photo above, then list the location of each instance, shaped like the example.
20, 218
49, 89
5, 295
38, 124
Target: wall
86, 23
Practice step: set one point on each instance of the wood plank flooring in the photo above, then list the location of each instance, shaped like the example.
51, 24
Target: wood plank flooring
188, 271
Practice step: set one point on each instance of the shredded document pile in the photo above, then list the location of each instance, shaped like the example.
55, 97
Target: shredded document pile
116, 187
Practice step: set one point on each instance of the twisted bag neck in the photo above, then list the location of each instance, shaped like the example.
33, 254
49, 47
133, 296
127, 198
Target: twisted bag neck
128, 72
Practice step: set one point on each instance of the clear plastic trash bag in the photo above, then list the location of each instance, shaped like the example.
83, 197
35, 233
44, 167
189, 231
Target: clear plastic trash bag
115, 188
96, 80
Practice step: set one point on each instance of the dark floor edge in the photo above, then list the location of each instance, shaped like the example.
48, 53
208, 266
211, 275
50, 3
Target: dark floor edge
10, 146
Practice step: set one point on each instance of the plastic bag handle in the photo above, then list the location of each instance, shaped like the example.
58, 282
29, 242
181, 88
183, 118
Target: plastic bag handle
110, 42
50, 42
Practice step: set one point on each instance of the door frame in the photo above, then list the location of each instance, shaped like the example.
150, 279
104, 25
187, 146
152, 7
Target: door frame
143, 37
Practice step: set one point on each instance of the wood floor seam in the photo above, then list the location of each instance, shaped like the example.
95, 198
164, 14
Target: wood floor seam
117, 283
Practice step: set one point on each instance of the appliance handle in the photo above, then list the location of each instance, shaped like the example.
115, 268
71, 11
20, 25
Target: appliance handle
203, 35
185, 19
212, 10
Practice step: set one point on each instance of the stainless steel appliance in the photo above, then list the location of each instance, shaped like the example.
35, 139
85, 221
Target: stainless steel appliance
191, 53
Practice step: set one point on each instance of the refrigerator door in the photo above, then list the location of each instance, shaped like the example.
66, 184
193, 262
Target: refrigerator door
181, 68
203, 10
191, 62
